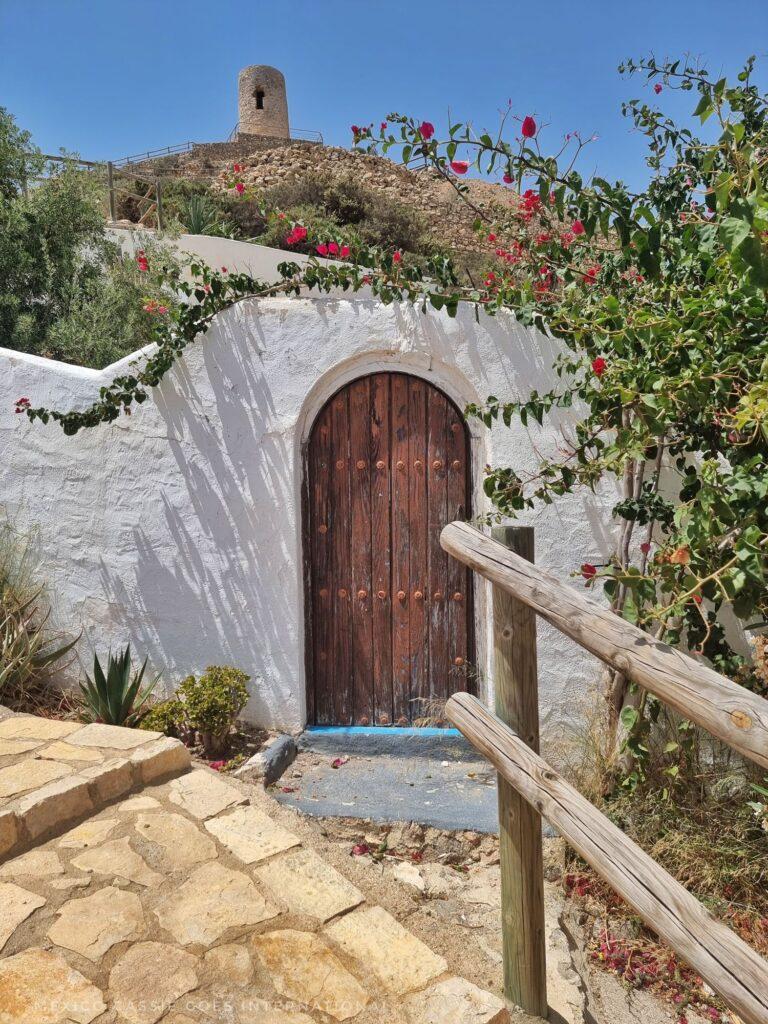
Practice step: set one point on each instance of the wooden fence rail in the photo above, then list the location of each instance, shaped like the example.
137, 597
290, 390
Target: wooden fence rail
510, 742
726, 963
724, 708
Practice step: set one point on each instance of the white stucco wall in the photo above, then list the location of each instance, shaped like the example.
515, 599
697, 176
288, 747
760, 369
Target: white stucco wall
179, 528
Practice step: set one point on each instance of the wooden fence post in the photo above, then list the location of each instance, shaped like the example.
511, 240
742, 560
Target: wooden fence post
159, 200
111, 187
522, 872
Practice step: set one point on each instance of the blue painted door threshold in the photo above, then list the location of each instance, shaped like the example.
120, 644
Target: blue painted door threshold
380, 730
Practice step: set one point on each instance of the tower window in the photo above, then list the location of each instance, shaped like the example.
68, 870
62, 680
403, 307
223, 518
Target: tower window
259, 94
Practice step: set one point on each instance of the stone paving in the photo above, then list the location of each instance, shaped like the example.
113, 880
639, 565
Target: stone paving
188, 902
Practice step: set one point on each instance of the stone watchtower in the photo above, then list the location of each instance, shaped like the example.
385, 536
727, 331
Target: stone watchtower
262, 102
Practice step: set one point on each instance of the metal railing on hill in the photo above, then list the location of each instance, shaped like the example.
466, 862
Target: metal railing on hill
529, 788
299, 134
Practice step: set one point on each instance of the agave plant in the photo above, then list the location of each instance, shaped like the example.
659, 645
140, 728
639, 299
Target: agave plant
117, 697
27, 648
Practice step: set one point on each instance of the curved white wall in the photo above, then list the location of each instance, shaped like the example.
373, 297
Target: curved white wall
179, 528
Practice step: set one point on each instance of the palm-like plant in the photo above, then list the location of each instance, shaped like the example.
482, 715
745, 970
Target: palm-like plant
116, 698
27, 649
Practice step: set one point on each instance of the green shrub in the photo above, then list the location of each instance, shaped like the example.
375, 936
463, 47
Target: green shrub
212, 702
167, 716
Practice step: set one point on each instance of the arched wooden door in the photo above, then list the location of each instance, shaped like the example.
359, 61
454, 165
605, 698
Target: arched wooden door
389, 615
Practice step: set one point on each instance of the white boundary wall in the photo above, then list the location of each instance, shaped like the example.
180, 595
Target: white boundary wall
179, 528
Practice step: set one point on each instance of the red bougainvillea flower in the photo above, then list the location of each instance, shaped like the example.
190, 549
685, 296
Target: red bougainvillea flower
645, 547
577, 228
426, 130
333, 248
322, 249
360, 849
598, 366
22, 404
355, 129
141, 261
237, 168
224, 270
657, 88
397, 256
696, 598
529, 127
216, 765
383, 126
337, 762
344, 252
239, 187
491, 237
590, 275
459, 166
588, 571
507, 179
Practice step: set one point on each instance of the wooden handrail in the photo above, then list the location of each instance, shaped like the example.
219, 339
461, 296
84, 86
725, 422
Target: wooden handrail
724, 961
724, 708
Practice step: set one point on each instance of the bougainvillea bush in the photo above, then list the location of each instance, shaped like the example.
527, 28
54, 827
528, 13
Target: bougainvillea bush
658, 297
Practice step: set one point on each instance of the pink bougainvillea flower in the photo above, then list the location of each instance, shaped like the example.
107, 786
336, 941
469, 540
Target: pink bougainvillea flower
426, 130
459, 166
333, 248
529, 127
507, 179
344, 251
588, 571
360, 849
491, 237
397, 256
287, 789
645, 547
239, 187
216, 765
22, 404
141, 261
337, 762
206, 289
224, 270
322, 249
657, 88
598, 366
577, 228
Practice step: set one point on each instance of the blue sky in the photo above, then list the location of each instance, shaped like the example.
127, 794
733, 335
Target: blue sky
105, 78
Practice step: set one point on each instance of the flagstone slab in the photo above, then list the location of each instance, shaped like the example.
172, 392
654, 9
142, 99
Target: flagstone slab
90, 833
116, 858
382, 946
212, 900
165, 756
35, 864
455, 1001
39, 987
9, 831
183, 844
229, 965
54, 805
309, 885
138, 803
147, 979
13, 748
63, 751
109, 779
251, 835
92, 925
16, 904
27, 727
30, 774
202, 794
113, 737
303, 967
